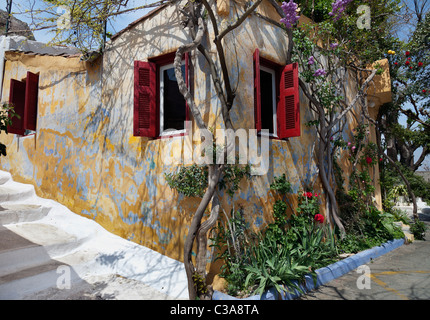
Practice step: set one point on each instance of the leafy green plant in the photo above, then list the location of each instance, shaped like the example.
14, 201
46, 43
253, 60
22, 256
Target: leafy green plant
419, 228
312, 244
309, 204
374, 229
400, 215
281, 185
190, 181
232, 239
273, 265
200, 284
6, 114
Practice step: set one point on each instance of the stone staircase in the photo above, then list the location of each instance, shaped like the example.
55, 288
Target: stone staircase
45, 246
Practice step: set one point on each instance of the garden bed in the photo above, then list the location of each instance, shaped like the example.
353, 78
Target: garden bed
324, 275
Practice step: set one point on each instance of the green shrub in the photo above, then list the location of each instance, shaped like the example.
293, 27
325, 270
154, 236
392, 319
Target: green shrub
273, 265
419, 228
191, 181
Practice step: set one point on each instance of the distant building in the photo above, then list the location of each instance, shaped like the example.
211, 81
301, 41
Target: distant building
424, 174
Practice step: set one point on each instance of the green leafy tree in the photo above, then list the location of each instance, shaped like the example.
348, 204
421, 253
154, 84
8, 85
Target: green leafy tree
404, 124
343, 49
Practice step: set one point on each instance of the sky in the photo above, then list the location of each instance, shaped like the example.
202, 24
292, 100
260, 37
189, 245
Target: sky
114, 24
118, 23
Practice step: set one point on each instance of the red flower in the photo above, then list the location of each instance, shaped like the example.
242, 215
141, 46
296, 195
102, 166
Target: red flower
319, 218
420, 64
380, 159
369, 160
407, 53
407, 63
424, 91
396, 63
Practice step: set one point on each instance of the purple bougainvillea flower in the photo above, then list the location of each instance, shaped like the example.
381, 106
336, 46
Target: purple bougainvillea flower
320, 72
290, 12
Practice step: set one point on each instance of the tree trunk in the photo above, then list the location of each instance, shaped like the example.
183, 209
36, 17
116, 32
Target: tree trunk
333, 207
202, 239
213, 178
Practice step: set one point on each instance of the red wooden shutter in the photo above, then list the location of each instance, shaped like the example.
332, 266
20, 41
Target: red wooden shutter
145, 105
17, 99
288, 113
31, 94
257, 91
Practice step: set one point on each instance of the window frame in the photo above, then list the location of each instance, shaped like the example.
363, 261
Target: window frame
275, 76
160, 80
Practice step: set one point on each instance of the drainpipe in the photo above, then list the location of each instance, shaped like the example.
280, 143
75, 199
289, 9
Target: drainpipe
2, 64
9, 10
104, 35
3, 46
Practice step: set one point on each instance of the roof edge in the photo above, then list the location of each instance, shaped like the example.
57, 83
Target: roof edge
141, 19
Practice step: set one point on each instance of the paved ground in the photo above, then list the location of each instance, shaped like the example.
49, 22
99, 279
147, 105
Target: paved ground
102, 287
402, 274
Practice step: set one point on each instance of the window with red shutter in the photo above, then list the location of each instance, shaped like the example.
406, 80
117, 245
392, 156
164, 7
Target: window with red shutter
17, 100
23, 96
159, 107
289, 103
276, 98
31, 95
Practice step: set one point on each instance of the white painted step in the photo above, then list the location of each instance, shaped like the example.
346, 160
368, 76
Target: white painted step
13, 191
17, 286
62, 273
4, 177
28, 245
17, 213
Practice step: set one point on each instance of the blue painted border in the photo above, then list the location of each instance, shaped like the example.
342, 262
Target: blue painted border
324, 275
